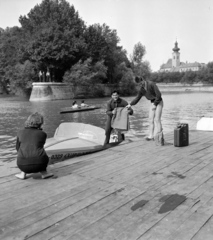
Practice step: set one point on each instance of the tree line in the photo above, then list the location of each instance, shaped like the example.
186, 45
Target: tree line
204, 75
53, 38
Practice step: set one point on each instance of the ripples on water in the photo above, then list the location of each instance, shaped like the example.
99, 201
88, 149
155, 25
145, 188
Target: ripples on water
178, 107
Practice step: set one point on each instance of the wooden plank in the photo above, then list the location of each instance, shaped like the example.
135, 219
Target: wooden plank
140, 225
91, 214
206, 231
94, 229
198, 219
26, 197
100, 230
167, 227
45, 223
68, 195
85, 238
123, 162
93, 196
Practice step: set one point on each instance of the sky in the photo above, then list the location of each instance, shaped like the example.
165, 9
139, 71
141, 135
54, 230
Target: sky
156, 24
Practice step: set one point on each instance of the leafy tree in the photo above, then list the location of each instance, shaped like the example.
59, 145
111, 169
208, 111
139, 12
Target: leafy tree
209, 71
138, 53
86, 76
155, 77
23, 76
114, 52
170, 77
189, 77
126, 80
96, 45
102, 44
10, 53
54, 36
140, 67
210, 67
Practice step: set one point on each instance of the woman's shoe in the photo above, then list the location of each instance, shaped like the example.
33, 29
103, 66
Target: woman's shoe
21, 175
45, 174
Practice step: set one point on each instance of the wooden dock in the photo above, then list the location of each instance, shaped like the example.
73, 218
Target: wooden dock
136, 191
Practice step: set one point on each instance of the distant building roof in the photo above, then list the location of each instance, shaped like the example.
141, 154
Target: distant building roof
167, 65
187, 65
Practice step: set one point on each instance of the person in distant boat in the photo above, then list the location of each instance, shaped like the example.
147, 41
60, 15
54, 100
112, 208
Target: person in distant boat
75, 105
32, 157
83, 104
150, 90
114, 103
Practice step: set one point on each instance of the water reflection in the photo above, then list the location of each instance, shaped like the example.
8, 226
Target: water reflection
182, 107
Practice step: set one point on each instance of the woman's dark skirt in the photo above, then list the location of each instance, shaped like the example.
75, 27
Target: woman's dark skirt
34, 168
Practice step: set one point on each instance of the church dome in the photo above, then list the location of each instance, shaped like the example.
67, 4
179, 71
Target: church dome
176, 48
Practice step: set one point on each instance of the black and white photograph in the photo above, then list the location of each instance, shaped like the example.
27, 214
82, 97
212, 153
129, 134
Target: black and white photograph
106, 119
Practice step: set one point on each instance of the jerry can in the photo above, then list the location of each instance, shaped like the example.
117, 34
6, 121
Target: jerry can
181, 135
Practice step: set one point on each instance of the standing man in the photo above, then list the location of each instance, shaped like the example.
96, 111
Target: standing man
48, 75
150, 90
40, 76
114, 103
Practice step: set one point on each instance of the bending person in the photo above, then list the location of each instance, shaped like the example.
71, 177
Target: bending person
150, 90
32, 157
114, 103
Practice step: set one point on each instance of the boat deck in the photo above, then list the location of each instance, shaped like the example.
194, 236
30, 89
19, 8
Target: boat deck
135, 191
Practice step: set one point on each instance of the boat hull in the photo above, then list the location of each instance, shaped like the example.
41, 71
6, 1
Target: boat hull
80, 109
58, 155
75, 139
205, 124
63, 154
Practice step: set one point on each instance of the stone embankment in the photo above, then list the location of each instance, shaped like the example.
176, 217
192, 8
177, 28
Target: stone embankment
46, 91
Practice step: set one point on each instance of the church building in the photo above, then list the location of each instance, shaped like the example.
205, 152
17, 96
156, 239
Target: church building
175, 65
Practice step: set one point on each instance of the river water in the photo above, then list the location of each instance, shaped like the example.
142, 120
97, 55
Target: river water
184, 107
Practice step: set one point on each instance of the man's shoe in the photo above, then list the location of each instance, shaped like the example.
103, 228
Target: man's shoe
122, 136
149, 139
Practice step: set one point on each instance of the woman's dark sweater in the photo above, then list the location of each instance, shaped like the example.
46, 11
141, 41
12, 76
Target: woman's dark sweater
30, 146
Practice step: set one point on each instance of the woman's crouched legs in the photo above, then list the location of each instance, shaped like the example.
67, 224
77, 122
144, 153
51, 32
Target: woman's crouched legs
34, 168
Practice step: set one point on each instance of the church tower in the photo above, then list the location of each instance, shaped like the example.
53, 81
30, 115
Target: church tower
176, 56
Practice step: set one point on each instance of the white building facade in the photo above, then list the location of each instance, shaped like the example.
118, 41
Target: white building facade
175, 65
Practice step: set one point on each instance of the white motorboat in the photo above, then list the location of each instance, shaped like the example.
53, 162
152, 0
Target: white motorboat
75, 139
205, 124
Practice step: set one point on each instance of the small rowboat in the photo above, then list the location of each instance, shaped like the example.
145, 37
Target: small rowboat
79, 109
75, 139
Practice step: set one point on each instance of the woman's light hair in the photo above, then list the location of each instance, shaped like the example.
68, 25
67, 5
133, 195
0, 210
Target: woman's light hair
35, 120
